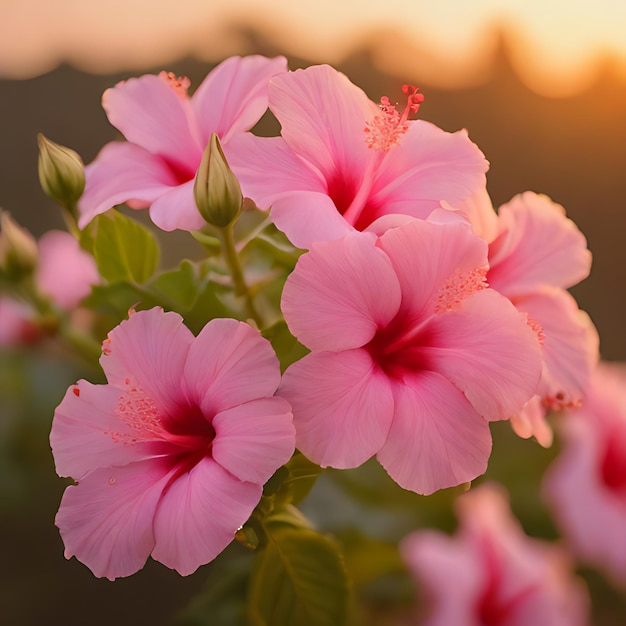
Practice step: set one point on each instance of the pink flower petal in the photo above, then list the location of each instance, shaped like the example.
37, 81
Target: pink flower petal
306, 217
323, 116
440, 562
437, 439
570, 345
199, 515
87, 433
149, 351
123, 172
106, 520
342, 406
585, 485
15, 326
340, 293
537, 246
425, 255
230, 364
65, 272
530, 421
234, 96
248, 156
151, 114
489, 352
253, 439
429, 166
177, 209
478, 210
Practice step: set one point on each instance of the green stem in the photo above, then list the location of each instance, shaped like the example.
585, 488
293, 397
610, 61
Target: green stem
236, 271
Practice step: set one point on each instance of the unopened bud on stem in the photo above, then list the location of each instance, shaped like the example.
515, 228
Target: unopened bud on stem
61, 173
18, 250
216, 189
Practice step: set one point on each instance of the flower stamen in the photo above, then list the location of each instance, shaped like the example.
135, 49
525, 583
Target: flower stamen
385, 129
179, 84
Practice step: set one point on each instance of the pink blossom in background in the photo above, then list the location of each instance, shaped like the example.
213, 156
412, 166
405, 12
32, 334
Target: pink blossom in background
491, 573
585, 487
411, 353
342, 162
169, 456
65, 272
535, 254
16, 327
167, 132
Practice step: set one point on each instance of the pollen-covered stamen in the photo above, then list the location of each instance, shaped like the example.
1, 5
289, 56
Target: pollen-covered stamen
458, 286
385, 129
138, 411
560, 401
537, 329
180, 84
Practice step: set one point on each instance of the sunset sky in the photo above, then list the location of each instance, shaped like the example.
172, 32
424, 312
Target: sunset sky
556, 43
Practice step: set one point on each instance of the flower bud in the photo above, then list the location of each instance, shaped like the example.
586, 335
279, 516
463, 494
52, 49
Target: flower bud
61, 173
216, 189
18, 250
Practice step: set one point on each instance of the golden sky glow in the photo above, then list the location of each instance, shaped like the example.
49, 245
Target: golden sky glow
556, 42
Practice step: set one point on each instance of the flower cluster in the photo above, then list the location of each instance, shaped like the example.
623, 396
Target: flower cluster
415, 315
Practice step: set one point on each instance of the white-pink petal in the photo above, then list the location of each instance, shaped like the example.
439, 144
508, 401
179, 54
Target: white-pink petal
199, 515
425, 256
570, 345
123, 172
340, 293
88, 434
436, 439
234, 95
489, 352
323, 116
248, 157
149, 351
307, 217
152, 114
342, 406
253, 439
176, 208
229, 364
106, 521
537, 246
427, 167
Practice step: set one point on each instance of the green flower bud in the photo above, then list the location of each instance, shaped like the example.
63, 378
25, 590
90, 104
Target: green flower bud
61, 173
18, 250
216, 189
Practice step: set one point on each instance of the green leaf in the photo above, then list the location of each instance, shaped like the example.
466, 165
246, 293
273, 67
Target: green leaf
177, 288
116, 298
222, 601
288, 349
124, 249
298, 579
302, 476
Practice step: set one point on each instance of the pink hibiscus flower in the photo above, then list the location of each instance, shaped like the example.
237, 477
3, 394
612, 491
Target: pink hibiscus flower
167, 132
170, 456
491, 572
64, 273
586, 485
342, 162
536, 255
411, 353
